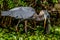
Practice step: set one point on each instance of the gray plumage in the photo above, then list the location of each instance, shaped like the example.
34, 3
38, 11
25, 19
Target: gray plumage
26, 13
19, 12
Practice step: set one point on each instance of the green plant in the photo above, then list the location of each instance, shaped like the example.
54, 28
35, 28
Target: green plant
22, 3
11, 4
38, 35
54, 1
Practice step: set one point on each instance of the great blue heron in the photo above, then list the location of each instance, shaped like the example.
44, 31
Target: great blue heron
25, 13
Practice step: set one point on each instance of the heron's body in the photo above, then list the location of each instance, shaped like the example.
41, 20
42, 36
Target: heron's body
19, 12
27, 13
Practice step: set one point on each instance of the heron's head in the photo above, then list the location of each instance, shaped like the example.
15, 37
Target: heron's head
40, 16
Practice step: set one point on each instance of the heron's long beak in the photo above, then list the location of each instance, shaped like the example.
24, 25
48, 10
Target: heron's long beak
44, 22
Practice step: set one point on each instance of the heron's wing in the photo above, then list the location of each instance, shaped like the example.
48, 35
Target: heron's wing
20, 12
23, 12
27, 12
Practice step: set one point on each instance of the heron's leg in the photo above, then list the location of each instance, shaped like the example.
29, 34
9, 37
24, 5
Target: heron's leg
34, 23
10, 21
25, 26
3, 20
17, 25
